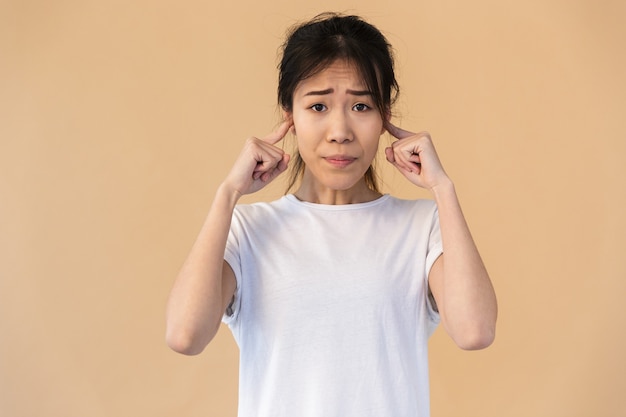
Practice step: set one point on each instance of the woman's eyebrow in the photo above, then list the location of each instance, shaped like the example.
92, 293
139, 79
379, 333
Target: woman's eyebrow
332, 90
359, 92
320, 92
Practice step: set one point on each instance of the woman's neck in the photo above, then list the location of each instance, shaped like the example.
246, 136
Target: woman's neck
315, 193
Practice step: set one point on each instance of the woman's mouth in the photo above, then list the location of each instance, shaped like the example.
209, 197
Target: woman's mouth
339, 161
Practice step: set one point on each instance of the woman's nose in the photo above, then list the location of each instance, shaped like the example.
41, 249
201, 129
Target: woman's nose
339, 129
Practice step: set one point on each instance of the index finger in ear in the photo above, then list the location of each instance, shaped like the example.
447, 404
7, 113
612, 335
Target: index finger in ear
279, 133
398, 133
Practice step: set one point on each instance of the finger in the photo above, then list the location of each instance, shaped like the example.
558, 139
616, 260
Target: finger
264, 166
279, 133
277, 170
262, 153
397, 132
268, 160
406, 158
415, 159
284, 163
389, 155
391, 158
403, 168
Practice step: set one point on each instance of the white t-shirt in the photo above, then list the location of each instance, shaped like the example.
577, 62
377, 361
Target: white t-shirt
331, 312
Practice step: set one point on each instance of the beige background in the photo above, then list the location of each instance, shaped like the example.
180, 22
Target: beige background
119, 119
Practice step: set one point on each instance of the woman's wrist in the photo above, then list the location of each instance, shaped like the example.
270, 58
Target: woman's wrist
228, 194
443, 189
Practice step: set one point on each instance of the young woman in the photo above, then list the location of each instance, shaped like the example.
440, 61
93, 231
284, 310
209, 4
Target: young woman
332, 292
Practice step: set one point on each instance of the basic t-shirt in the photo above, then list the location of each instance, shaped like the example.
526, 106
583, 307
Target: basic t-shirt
331, 312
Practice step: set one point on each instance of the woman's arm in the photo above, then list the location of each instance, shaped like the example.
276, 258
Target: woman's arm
206, 283
458, 280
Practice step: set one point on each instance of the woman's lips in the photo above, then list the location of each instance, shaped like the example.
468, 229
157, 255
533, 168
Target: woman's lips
339, 161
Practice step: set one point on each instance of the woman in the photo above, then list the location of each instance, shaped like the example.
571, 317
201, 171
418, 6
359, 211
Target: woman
332, 292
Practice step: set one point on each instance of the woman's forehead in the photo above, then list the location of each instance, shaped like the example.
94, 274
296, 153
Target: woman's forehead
338, 73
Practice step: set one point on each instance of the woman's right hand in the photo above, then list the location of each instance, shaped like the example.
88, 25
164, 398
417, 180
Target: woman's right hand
259, 162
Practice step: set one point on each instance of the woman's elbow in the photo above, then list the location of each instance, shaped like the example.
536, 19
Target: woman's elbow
183, 346
479, 338
186, 342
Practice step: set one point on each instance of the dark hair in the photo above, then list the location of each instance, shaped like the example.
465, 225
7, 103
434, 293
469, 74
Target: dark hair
314, 45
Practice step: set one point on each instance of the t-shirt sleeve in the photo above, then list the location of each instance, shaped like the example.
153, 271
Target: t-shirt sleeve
233, 258
435, 249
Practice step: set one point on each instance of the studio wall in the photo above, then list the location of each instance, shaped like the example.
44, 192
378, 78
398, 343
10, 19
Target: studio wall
118, 120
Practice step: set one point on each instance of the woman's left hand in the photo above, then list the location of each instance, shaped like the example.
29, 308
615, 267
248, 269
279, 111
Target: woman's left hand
415, 157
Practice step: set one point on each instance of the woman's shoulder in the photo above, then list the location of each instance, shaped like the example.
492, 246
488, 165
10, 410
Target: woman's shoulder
257, 207
412, 204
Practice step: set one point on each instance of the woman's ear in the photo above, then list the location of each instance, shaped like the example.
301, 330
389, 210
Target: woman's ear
386, 121
288, 117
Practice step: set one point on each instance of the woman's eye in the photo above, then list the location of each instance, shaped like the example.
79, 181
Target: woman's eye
360, 107
318, 107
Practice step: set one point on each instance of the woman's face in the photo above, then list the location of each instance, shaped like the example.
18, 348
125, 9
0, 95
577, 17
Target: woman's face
337, 127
